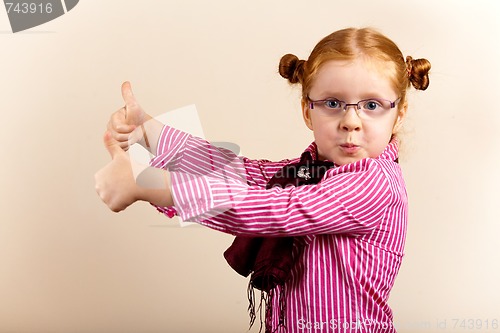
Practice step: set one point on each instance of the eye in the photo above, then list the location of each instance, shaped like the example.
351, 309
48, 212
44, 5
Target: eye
372, 105
332, 104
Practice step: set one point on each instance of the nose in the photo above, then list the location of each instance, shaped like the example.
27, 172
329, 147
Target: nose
350, 120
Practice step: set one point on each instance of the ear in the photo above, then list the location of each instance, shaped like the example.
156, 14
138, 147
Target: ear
399, 120
306, 114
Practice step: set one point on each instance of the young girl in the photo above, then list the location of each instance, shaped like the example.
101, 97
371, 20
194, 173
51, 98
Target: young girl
348, 226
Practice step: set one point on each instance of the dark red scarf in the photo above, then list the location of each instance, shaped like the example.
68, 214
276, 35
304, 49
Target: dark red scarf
269, 259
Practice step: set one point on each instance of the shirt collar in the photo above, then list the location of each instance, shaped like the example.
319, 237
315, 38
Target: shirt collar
391, 152
312, 150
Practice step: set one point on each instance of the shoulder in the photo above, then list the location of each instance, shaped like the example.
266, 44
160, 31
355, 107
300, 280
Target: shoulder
383, 169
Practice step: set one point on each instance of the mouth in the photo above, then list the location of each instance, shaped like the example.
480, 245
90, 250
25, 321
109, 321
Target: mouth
349, 148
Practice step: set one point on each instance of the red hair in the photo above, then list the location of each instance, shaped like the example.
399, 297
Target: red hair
349, 44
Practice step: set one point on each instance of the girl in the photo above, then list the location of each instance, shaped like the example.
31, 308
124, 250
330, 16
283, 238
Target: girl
348, 227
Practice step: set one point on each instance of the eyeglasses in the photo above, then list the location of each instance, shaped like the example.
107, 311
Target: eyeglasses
372, 107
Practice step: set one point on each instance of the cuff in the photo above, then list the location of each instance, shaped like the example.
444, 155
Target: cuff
170, 144
168, 211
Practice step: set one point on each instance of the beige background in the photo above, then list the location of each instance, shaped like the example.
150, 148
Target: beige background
67, 264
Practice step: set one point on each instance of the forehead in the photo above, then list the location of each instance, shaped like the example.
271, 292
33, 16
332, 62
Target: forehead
358, 78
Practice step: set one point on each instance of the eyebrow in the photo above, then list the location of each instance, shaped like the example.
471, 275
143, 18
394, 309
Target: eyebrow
329, 95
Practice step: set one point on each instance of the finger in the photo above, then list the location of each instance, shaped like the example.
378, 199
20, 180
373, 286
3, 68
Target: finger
128, 95
112, 145
124, 129
118, 122
135, 136
120, 137
123, 139
124, 145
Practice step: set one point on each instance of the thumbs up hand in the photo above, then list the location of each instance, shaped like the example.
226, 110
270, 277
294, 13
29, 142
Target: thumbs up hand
115, 183
122, 182
125, 124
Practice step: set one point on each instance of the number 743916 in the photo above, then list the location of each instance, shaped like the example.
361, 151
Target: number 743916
29, 7
471, 324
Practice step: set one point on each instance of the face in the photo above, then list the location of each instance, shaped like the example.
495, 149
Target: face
349, 137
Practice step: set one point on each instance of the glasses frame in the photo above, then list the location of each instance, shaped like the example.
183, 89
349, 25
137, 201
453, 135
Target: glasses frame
344, 105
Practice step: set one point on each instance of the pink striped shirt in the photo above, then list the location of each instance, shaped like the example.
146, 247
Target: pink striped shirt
350, 228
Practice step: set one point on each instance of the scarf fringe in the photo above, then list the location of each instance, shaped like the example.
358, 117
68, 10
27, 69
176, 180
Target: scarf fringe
266, 307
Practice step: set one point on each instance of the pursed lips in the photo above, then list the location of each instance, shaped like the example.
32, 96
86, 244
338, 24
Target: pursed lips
349, 148
348, 145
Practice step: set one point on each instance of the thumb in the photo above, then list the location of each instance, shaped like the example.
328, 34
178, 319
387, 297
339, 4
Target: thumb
132, 108
112, 145
128, 95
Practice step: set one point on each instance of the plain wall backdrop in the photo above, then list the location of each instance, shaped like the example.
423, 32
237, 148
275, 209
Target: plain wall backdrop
68, 264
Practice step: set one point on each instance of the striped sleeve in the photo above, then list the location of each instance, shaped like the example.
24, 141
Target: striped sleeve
259, 172
200, 156
351, 199
194, 157
170, 144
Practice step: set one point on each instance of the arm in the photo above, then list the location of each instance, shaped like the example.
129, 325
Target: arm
181, 152
177, 150
225, 192
130, 125
123, 181
351, 199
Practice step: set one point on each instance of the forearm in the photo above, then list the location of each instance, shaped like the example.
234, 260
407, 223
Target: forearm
178, 150
150, 133
153, 186
351, 200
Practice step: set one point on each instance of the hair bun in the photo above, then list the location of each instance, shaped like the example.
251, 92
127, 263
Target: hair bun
291, 68
418, 72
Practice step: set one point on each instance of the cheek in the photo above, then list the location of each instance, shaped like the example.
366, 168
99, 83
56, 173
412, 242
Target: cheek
324, 127
325, 135
384, 128
378, 137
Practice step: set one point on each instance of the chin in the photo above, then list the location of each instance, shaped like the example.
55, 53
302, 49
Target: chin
348, 159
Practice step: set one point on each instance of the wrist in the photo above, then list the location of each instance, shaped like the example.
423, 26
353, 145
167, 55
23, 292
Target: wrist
153, 186
146, 118
150, 131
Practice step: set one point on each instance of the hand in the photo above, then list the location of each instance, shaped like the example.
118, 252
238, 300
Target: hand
115, 183
125, 124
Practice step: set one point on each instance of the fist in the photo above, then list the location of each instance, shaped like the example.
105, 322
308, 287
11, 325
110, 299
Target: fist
115, 183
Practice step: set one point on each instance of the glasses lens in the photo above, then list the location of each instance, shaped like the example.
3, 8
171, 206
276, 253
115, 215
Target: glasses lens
333, 104
374, 106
